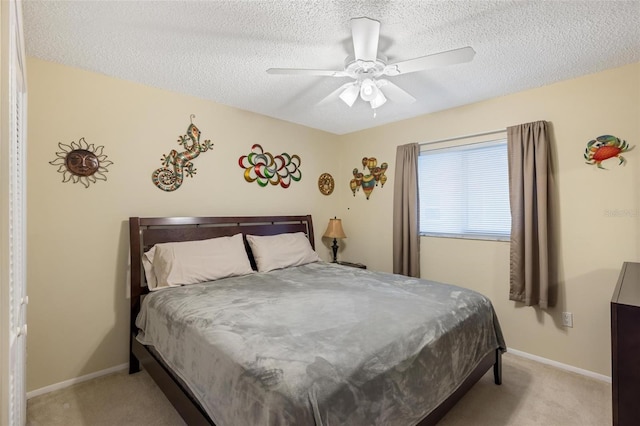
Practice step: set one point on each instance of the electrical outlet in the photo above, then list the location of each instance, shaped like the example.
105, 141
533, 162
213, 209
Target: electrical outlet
567, 319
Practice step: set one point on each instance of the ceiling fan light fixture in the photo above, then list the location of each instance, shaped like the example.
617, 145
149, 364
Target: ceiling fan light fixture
368, 90
379, 100
350, 94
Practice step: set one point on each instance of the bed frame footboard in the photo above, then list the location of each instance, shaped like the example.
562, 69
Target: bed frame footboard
497, 368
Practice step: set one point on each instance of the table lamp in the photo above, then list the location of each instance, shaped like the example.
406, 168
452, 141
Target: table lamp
335, 231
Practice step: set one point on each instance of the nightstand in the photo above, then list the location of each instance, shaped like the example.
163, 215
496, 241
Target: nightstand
353, 265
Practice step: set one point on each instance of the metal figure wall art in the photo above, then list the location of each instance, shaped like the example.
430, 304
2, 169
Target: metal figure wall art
81, 162
605, 147
326, 184
368, 182
265, 168
178, 164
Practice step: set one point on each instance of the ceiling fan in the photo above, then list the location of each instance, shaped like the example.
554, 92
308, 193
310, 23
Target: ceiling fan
367, 66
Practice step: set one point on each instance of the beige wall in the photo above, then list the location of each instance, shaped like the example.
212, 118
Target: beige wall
77, 239
599, 210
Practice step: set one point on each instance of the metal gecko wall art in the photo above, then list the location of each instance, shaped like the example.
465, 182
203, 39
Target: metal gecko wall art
605, 147
265, 168
368, 182
178, 164
81, 162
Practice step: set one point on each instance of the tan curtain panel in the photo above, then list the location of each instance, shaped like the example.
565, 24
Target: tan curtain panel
529, 194
406, 228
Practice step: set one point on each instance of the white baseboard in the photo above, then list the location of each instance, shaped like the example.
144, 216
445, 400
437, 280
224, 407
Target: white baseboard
560, 365
67, 383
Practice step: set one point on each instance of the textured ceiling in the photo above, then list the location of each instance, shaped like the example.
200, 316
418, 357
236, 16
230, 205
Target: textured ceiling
220, 50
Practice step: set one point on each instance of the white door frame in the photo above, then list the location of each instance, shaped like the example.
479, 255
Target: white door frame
13, 151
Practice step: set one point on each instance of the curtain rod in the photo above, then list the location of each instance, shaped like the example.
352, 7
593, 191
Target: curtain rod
455, 138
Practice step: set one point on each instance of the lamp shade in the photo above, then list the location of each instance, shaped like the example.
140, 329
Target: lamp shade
350, 94
334, 230
379, 100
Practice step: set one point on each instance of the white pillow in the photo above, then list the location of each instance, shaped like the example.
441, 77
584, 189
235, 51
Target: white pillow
282, 250
147, 264
192, 262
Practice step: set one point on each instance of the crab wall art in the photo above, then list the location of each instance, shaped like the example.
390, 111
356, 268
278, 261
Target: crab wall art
605, 147
368, 182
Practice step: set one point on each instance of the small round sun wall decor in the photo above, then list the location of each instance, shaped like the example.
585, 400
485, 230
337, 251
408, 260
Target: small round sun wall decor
81, 162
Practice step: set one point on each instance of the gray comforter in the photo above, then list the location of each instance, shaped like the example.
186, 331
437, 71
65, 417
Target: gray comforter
320, 344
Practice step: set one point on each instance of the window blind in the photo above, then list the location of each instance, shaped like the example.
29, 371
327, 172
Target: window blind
464, 191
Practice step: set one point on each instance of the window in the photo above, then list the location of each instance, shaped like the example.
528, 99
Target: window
464, 191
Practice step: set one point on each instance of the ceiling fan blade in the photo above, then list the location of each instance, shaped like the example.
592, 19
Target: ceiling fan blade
394, 93
450, 57
365, 33
298, 71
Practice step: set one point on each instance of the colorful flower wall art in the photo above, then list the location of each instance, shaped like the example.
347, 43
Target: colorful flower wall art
265, 168
368, 182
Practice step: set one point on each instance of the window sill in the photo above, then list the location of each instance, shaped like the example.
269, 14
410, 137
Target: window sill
505, 238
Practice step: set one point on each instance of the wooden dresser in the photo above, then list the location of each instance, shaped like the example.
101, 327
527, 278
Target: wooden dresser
625, 346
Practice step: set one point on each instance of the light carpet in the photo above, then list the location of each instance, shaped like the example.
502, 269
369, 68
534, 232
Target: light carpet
531, 394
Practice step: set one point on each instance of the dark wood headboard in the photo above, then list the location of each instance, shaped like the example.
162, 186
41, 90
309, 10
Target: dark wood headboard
144, 232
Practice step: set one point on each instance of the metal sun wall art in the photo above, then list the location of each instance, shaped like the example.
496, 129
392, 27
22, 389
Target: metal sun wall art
605, 147
81, 162
178, 164
265, 168
368, 182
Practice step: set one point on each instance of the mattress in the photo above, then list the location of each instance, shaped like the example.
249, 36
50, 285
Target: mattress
320, 344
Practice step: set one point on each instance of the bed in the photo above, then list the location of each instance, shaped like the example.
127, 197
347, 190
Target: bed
311, 343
